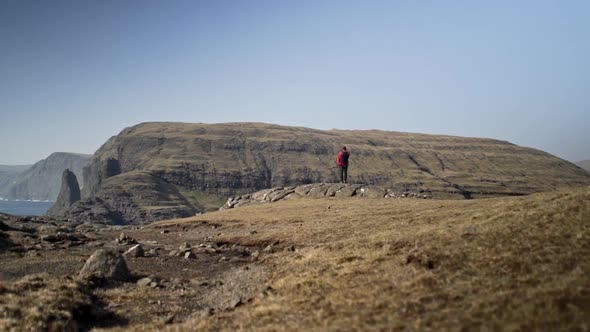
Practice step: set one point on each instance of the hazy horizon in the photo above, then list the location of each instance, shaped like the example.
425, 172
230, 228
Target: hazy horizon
76, 73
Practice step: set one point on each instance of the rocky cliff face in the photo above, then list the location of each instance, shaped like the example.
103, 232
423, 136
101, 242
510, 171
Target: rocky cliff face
8, 174
200, 165
42, 181
68, 195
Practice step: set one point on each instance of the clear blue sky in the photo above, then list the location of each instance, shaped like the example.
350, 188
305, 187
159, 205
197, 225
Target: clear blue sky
74, 73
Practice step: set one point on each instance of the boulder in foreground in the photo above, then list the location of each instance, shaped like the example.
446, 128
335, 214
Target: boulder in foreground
106, 264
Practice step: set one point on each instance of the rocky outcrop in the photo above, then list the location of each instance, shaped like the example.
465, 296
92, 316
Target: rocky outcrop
68, 195
188, 168
42, 180
318, 190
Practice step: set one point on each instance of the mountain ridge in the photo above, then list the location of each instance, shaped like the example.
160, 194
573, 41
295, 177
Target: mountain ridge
201, 165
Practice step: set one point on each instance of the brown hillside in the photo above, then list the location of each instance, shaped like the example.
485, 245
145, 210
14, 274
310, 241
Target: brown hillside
316, 264
500, 264
209, 162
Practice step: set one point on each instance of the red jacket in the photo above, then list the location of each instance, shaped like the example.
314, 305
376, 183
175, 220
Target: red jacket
342, 159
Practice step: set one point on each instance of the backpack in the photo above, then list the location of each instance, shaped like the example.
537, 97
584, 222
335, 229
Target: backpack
345, 156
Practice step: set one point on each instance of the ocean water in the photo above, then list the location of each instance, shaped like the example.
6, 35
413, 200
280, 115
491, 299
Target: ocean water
25, 208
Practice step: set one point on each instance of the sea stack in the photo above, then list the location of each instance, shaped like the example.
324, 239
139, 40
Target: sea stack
68, 194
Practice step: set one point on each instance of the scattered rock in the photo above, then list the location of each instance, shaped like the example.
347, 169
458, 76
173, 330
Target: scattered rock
124, 239
62, 237
189, 255
135, 251
169, 319
105, 264
319, 190
372, 192
236, 303
469, 230
34, 253
145, 282
176, 282
184, 247
153, 252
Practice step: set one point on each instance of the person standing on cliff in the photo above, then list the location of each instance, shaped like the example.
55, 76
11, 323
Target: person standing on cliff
342, 162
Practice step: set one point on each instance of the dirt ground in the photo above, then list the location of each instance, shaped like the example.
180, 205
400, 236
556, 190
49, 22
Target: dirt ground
220, 277
518, 263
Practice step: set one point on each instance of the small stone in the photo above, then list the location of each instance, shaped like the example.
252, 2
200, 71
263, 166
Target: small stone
223, 259
290, 248
122, 237
268, 290
153, 252
169, 319
154, 284
196, 281
135, 251
206, 312
165, 231
144, 282
176, 282
184, 247
236, 303
189, 255
173, 253
469, 230
34, 253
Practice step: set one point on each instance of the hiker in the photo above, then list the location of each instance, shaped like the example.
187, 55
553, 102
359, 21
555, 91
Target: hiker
342, 162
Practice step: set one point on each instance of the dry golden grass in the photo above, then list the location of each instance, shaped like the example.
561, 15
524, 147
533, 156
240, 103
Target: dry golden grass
43, 303
520, 263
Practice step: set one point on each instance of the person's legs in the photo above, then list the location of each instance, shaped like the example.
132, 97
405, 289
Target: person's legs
341, 174
345, 173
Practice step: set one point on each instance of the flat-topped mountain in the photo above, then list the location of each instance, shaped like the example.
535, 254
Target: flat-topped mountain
42, 180
160, 170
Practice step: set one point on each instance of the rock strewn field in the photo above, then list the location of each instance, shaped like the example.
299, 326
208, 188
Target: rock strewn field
328, 263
